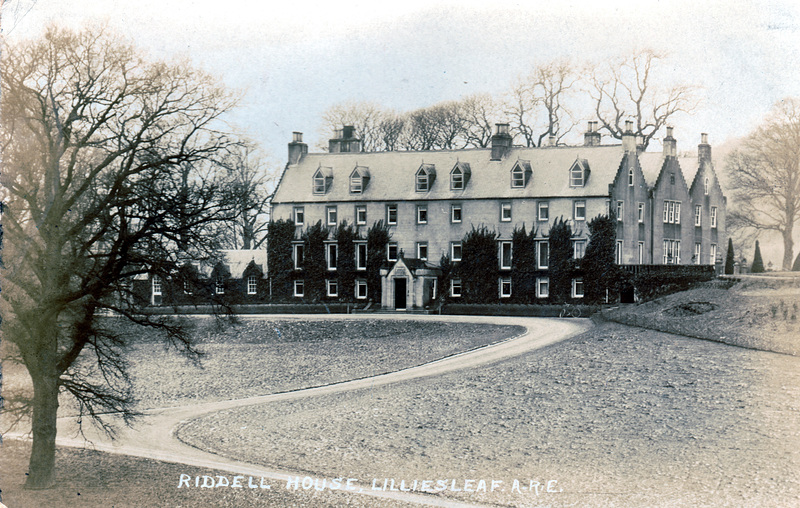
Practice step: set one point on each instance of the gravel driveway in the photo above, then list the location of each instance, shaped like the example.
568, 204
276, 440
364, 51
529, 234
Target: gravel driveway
617, 416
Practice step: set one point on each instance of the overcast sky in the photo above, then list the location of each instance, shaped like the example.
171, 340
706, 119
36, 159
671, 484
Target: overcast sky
296, 59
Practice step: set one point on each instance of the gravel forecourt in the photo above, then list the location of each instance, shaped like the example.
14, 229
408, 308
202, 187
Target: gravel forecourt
617, 416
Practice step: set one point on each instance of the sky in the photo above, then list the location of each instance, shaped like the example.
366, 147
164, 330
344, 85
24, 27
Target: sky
295, 59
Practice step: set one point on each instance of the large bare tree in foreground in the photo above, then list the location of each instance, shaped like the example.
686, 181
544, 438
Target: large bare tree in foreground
108, 168
765, 175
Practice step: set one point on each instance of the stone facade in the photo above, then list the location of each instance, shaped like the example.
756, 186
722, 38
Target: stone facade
431, 199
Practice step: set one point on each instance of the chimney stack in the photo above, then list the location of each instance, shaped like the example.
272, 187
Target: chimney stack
344, 141
704, 149
551, 140
591, 137
670, 144
297, 149
501, 142
628, 137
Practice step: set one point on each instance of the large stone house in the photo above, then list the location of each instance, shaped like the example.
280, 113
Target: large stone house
670, 209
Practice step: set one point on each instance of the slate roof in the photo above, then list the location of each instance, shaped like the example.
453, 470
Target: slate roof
392, 174
237, 260
652, 162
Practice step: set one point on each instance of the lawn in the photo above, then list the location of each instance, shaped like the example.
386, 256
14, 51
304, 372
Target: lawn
273, 355
90, 479
755, 313
617, 416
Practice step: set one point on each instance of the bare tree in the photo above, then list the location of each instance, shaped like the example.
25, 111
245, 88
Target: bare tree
534, 103
479, 113
438, 127
765, 175
391, 130
246, 189
366, 117
109, 164
627, 89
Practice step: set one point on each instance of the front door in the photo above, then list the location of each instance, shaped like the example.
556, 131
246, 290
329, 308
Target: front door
400, 293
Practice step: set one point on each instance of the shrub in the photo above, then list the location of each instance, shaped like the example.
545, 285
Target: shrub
314, 265
758, 263
730, 258
478, 268
561, 264
523, 266
669, 279
378, 237
279, 251
346, 264
598, 262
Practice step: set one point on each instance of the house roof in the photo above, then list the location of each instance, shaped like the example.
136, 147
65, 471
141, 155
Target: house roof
392, 174
652, 162
237, 260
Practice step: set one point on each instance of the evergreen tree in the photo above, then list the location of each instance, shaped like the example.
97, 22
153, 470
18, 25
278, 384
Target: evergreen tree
523, 266
600, 272
346, 266
447, 267
796, 265
560, 264
758, 263
314, 263
479, 266
378, 237
730, 258
280, 234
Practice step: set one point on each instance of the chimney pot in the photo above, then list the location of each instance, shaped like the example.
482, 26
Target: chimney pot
628, 137
501, 142
704, 149
670, 145
591, 137
297, 149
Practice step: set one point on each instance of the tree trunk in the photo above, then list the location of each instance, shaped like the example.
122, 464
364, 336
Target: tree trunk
41, 473
788, 248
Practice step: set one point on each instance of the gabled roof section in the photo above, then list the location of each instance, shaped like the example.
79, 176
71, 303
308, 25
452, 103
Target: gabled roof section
235, 262
523, 168
359, 179
362, 171
322, 179
424, 177
429, 169
579, 173
652, 164
464, 169
489, 178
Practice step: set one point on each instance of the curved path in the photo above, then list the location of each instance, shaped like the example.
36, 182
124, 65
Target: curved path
154, 435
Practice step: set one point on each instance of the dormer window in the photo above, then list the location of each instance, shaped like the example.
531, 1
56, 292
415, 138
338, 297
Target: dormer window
322, 179
520, 174
579, 173
425, 177
359, 179
459, 176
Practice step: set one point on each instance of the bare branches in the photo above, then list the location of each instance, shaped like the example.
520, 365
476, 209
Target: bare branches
627, 89
110, 167
765, 175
